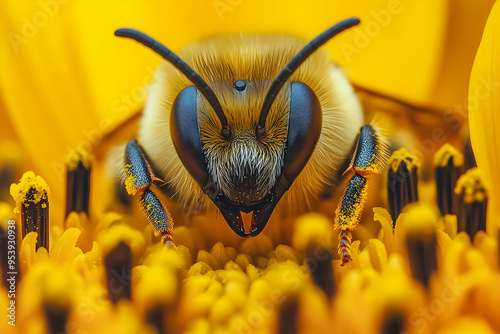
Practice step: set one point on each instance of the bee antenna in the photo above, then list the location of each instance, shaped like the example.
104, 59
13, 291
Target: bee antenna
172, 58
296, 61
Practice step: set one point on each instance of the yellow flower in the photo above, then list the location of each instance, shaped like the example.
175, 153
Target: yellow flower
70, 88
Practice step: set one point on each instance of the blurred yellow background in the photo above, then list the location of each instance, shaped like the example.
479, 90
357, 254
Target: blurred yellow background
66, 81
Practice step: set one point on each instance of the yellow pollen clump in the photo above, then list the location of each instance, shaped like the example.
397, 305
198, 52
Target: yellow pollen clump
312, 229
400, 155
349, 219
366, 171
444, 153
130, 185
76, 155
19, 191
130, 181
473, 186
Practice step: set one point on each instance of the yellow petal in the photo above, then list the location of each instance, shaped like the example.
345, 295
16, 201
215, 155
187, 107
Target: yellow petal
484, 118
28, 254
64, 249
384, 218
450, 225
488, 246
377, 253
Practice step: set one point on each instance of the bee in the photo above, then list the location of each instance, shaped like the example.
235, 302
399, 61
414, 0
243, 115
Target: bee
244, 121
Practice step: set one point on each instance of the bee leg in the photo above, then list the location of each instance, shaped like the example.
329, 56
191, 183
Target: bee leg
348, 213
369, 158
139, 178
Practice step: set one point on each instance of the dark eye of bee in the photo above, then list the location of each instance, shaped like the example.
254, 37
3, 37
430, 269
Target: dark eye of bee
240, 85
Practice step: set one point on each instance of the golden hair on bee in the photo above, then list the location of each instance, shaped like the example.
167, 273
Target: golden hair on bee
256, 60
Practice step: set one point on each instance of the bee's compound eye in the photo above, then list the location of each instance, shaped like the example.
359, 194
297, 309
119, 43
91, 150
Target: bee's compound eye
304, 129
185, 134
240, 85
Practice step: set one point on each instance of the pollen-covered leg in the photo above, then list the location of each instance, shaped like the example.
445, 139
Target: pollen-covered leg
371, 153
348, 213
139, 177
158, 215
369, 157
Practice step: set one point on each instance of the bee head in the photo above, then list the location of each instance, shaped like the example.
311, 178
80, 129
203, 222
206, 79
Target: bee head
245, 166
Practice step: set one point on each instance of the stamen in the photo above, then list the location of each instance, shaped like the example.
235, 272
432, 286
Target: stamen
155, 317
323, 275
314, 236
31, 197
157, 291
57, 318
78, 165
287, 318
470, 159
448, 163
422, 257
421, 245
58, 291
118, 264
393, 323
402, 181
473, 202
